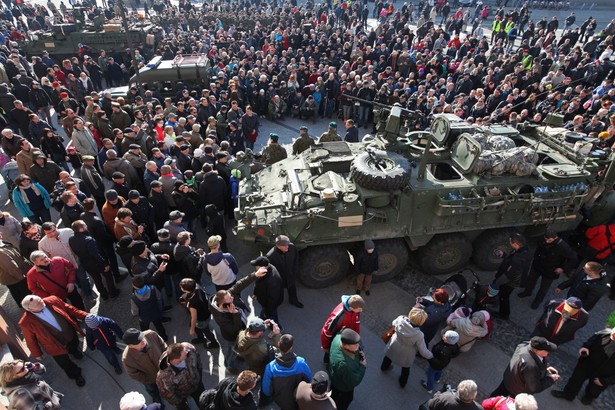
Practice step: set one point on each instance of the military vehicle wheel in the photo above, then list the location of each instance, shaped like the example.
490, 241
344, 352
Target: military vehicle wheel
380, 170
486, 245
392, 259
322, 266
445, 253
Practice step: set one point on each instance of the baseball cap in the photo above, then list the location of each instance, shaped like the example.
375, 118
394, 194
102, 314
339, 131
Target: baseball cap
320, 382
257, 325
260, 261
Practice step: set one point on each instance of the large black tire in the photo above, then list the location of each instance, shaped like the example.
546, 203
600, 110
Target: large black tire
393, 172
485, 247
445, 253
392, 259
323, 266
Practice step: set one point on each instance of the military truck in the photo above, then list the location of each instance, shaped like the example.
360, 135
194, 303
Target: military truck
64, 40
445, 197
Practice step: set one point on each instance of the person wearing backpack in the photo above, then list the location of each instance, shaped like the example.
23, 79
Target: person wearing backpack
443, 352
146, 303
231, 394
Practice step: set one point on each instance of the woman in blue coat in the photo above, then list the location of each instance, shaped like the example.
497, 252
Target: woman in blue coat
31, 200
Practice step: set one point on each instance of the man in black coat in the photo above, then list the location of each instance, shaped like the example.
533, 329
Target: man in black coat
588, 284
512, 272
105, 240
528, 370
596, 364
159, 204
142, 212
553, 257
285, 257
93, 180
165, 246
213, 190
92, 260
268, 290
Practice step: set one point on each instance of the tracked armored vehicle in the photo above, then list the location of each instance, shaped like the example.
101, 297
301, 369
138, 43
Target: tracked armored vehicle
443, 197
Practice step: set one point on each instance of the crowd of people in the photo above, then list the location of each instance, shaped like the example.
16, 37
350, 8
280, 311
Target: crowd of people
145, 174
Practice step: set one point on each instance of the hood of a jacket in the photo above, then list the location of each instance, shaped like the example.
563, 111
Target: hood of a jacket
244, 342
285, 360
144, 296
164, 361
345, 299
214, 258
232, 400
38, 154
404, 327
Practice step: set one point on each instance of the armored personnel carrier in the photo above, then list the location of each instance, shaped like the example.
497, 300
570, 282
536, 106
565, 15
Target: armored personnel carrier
442, 197
64, 40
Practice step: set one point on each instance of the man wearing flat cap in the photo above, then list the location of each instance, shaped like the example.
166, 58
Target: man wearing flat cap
528, 370
285, 257
347, 366
273, 152
141, 358
331, 134
136, 158
561, 320
268, 290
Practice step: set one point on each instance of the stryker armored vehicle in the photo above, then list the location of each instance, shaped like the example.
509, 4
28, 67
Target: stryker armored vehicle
64, 40
443, 197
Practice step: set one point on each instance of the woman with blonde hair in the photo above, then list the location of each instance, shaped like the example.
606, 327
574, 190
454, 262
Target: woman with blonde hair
405, 342
25, 389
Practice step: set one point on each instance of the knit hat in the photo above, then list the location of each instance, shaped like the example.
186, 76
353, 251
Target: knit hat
369, 244
92, 321
138, 247
493, 290
451, 337
63, 95
111, 195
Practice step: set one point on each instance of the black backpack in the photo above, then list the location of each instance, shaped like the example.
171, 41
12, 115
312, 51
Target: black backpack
211, 398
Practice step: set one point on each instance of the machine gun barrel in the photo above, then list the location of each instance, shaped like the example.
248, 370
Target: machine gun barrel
411, 113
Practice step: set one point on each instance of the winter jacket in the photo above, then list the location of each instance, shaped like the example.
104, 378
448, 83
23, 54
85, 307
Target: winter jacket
601, 359
121, 165
514, 268
84, 142
499, 403
175, 384
345, 370
143, 366
222, 267
148, 306
231, 324
366, 263
10, 229
213, 190
282, 376
436, 317
88, 252
257, 352
188, 260
442, 354
30, 392
13, 266
161, 208
598, 240
526, 372
109, 213
269, 290
450, 401
554, 328
47, 175
405, 343
230, 399
54, 148
549, 257
37, 334
23, 207
287, 263
54, 282
339, 319
105, 335
588, 290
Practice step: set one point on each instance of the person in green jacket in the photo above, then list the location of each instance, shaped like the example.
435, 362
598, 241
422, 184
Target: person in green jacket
346, 366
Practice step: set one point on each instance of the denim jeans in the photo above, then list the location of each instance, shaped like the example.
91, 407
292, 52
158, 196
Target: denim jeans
230, 356
110, 356
363, 115
83, 281
432, 376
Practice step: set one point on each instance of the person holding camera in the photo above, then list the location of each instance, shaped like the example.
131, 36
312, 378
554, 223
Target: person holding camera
230, 313
256, 348
24, 388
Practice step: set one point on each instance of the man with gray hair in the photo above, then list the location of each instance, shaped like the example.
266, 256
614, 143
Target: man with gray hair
463, 398
49, 324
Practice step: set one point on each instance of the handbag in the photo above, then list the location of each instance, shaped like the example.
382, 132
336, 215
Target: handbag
386, 336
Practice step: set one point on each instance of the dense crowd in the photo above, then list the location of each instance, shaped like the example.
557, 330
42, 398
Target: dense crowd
141, 173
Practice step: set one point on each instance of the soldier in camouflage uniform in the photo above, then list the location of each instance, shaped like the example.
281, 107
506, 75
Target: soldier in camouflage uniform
331, 135
273, 152
303, 142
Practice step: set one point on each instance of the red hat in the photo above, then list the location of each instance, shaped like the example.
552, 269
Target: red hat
55, 84
71, 148
63, 95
